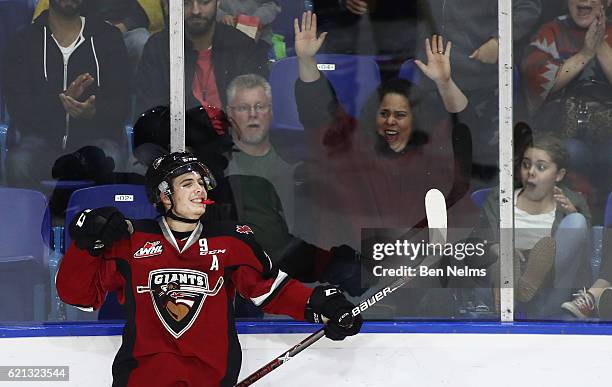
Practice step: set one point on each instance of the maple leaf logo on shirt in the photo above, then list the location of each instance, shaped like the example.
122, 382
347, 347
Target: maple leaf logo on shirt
244, 229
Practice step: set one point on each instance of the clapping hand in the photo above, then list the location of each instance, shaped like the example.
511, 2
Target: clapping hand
307, 44
78, 109
78, 86
595, 35
438, 67
70, 98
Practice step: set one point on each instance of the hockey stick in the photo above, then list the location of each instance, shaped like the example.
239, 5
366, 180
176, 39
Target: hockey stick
436, 218
435, 206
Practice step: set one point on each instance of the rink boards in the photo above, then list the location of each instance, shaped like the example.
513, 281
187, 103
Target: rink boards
386, 354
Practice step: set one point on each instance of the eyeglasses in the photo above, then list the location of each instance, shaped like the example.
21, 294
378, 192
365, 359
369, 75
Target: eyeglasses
258, 108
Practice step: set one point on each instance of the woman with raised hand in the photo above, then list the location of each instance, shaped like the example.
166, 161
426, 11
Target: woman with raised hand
375, 171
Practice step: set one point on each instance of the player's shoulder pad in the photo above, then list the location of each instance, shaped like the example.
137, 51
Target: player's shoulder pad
243, 232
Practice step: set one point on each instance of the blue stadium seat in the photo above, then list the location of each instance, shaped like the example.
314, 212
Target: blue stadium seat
24, 255
3, 132
410, 72
132, 201
354, 78
479, 196
597, 237
608, 213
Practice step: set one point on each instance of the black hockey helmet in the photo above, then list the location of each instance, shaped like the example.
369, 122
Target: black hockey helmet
165, 168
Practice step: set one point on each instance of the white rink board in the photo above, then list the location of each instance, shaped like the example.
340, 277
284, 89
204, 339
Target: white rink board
370, 359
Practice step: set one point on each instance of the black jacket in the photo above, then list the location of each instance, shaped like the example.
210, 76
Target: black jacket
34, 77
233, 54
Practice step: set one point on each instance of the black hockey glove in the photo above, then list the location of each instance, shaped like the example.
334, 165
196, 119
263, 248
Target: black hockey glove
329, 302
94, 230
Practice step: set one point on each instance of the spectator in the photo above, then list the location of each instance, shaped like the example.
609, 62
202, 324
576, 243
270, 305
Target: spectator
265, 10
214, 55
250, 110
568, 71
66, 86
473, 28
375, 174
134, 18
552, 226
383, 27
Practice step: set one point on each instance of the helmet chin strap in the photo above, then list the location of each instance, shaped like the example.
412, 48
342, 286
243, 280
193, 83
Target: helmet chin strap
170, 214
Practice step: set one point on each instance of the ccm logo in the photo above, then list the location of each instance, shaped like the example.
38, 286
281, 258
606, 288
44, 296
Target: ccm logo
124, 198
326, 66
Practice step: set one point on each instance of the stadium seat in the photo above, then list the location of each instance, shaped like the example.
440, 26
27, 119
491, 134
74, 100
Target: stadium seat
354, 78
24, 256
132, 201
479, 196
409, 71
608, 213
597, 238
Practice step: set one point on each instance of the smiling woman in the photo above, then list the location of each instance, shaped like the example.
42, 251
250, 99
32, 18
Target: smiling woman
374, 172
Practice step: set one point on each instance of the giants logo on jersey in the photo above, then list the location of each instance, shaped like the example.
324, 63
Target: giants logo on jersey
149, 249
244, 229
178, 296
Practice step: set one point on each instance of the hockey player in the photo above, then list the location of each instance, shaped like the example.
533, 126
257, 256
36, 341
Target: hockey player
177, 278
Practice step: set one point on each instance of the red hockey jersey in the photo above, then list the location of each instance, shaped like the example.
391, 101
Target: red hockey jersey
178, 299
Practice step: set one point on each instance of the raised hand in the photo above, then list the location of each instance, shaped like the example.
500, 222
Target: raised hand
307, 44
438, 67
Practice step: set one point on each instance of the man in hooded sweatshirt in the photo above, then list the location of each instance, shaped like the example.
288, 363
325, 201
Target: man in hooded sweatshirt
66, 86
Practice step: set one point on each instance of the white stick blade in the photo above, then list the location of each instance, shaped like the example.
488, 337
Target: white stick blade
435, 209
